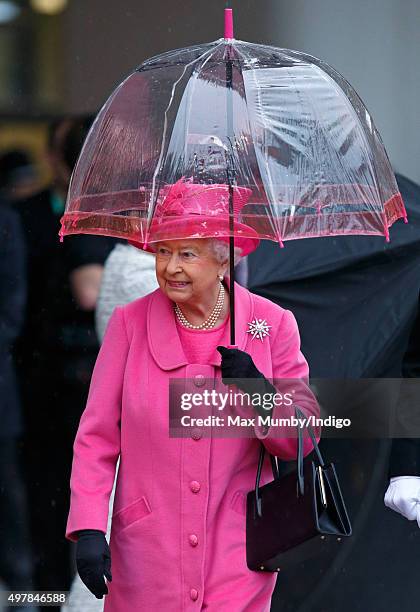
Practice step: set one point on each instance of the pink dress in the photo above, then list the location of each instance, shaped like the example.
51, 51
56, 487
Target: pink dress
199, 344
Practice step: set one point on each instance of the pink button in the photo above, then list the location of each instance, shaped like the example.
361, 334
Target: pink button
193, 539
195, 486
199, 380
196, 434
194, 594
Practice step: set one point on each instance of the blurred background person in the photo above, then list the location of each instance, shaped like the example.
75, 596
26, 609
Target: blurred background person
367, 292
18, 176
129, 273
15, 556
56, 350
403, 492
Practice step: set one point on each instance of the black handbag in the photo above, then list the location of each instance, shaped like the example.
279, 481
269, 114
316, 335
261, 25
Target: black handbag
287, 518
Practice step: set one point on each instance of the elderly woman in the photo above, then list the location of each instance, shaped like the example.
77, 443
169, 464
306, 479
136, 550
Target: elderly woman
178, 525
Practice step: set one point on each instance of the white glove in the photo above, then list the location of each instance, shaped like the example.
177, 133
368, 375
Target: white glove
403, 496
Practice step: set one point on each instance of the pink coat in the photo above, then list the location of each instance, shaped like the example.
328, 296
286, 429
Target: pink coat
178, 527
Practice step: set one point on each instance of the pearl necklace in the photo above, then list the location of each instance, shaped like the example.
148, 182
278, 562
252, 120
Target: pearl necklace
211, 320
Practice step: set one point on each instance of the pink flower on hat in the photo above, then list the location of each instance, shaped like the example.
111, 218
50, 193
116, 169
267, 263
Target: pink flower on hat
187, 198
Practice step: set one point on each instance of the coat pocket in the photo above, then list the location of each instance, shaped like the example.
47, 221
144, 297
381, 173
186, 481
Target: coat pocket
132, 513
238, 502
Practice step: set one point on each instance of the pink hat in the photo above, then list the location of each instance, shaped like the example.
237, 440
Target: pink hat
194, 210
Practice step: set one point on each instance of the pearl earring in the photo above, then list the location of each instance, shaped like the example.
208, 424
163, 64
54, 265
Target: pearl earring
220, 277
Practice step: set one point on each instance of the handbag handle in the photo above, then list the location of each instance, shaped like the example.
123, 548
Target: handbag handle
301, 482
274, 465
276, 475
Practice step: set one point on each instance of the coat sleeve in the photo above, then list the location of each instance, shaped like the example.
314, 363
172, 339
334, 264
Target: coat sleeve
97, 443
290, 376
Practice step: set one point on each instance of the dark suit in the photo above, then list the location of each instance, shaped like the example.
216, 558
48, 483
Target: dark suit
15, 557
12, 302
56, 353
405, 452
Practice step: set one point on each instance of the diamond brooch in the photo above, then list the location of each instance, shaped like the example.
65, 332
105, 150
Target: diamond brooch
258, 329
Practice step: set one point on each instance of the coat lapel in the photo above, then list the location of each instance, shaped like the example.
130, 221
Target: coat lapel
164, 342
162, 333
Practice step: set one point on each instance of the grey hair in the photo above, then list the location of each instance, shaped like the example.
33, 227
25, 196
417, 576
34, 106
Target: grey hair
221, 251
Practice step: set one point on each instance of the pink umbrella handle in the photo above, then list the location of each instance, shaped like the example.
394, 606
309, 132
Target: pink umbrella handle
228, 23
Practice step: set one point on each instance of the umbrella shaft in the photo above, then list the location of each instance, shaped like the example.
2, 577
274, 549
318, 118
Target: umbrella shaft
230, 181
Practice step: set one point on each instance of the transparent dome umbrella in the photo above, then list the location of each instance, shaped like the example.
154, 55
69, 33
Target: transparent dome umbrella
234, 140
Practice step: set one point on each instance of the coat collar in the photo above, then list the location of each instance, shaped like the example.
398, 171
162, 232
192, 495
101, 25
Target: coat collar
162, 333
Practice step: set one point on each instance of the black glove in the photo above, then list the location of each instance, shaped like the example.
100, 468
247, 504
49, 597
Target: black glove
239, 369
93, 560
